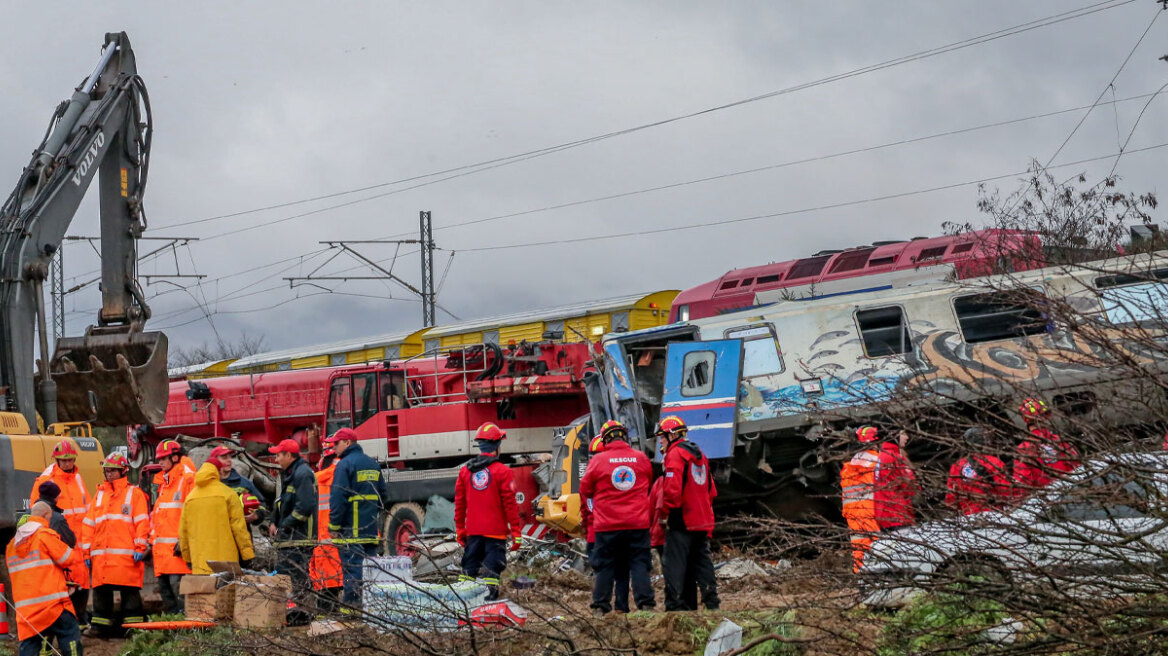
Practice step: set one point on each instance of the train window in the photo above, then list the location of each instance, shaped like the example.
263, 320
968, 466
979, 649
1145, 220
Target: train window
1123, 279
364, 397
882, 261
963, 248
340, 407
851, 261
393, 390
729, 284
774, 277
747, 281
808, 266
761, 355
931, 253
884, 331
697, 373
1000, 315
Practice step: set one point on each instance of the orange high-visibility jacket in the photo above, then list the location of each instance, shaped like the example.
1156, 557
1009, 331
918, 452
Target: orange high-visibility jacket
325, 567
879, 485
116, 527
73, 502
37, 560
175, 485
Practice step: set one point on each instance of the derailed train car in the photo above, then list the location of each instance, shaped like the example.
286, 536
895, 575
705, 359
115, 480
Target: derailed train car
759, 387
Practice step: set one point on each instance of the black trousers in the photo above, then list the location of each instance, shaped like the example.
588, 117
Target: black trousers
172, 601
107, 621
80, 599
620, 582
689, 568
617, 551
293, 561
485, 559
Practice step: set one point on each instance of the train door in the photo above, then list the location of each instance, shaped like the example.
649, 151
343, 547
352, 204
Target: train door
701, 387
340, 405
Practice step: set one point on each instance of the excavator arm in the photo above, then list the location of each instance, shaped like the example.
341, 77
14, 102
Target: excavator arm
115, 374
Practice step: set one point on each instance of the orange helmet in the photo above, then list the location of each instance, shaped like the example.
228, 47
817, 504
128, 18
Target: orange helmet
116, 461
1034, 409
167, 448
250, 502
672, 425
65, 450
490, 432
867, 434
612, 430
596, 445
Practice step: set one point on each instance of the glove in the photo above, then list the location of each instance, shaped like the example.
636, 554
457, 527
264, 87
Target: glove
177, 550
246, 564
516, 542
88, 564
460, 537
139, 556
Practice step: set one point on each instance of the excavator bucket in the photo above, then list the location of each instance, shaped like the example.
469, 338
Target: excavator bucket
114, 378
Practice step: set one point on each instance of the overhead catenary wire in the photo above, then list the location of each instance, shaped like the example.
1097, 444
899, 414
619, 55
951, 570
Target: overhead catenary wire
470, 169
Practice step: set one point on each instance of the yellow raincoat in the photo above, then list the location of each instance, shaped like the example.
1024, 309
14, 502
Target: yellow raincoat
212, 525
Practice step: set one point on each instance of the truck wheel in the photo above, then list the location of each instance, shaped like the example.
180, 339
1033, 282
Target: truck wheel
403, 523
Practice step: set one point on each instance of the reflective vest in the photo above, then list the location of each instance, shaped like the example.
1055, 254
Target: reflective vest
116, 527
877, 484
175, 485
73, 502
37, 560
325, 567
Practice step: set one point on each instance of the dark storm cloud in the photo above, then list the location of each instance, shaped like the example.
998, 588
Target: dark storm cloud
263, 103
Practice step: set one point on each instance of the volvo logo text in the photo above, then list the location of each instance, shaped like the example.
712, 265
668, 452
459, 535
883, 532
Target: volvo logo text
90, 155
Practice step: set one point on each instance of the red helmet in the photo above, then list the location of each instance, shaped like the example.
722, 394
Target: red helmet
250, 502
116, 461
325, 456
596, 445
65, 450
216, 457
342, 434
490, 432
167, 448
1034, 409
612, 430
867, 434
672, 425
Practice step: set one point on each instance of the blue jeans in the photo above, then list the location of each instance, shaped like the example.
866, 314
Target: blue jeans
352, 565
64, 629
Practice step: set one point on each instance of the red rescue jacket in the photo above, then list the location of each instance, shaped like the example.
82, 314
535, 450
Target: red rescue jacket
689, 488
484, 499
978, 483
1040, 459
657, 513
617, 484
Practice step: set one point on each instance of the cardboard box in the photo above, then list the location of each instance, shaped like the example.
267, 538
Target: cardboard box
206, 601
261, 601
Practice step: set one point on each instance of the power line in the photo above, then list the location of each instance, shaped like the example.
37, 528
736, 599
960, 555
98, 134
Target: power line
759, 217
470, 169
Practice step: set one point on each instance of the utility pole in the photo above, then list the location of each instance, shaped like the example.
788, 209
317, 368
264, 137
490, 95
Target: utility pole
57, 291
426, 241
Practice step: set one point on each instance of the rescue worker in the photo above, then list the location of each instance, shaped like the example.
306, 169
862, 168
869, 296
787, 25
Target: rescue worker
486, 514
1043, 457
38, 561
211, 526
175, 482
355, 502
73, 502
293, 527
229, 476
878, 486
687, 499
978, 482
49, 493
325, 568
615, 494
114, 537
621, 578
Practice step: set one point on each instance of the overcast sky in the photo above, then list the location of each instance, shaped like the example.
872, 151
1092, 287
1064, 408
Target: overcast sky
266, 103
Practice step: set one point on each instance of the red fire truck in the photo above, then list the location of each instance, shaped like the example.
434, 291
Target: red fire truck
416, 416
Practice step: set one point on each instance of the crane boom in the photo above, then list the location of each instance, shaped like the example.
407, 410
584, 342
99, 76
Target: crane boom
116, 373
